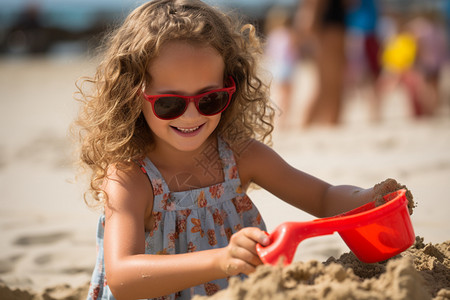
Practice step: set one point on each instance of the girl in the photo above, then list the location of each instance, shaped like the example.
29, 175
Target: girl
173, 133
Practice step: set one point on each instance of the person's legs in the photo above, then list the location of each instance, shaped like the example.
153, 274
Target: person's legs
332, 74
325, 107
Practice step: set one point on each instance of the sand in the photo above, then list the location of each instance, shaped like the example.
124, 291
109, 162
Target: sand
48, 234
422, 272
390, 185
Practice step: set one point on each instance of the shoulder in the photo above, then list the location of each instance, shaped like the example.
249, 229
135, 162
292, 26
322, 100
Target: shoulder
249, 149
127, 189
252, 157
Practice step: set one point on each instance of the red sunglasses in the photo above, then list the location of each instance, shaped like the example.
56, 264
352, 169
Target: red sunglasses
168, 107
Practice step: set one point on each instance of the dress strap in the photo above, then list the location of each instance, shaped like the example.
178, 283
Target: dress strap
228, 160
158, 183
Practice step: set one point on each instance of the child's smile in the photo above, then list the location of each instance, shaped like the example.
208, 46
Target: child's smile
188, 132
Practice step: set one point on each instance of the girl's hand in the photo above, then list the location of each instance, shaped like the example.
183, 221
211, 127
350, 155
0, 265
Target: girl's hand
240, 254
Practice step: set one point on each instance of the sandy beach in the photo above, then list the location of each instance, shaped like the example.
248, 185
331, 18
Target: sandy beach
48, 233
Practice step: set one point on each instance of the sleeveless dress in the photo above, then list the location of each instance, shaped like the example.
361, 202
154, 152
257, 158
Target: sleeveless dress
188, 221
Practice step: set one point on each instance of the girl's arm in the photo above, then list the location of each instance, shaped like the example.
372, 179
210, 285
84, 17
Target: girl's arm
260, 164
131, 274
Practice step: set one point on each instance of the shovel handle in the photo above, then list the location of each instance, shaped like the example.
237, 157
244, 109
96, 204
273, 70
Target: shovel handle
286, 237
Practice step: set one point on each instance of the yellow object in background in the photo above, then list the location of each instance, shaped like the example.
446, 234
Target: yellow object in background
400, 53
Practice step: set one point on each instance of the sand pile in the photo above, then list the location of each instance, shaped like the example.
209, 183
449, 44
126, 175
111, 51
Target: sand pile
421, 272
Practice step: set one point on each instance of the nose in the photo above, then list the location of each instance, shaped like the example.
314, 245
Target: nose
191, 111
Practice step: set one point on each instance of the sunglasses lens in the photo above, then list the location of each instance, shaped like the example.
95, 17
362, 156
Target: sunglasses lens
169, 107
213, 103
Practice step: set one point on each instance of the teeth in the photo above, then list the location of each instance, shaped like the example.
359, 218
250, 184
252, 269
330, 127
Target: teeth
187, 130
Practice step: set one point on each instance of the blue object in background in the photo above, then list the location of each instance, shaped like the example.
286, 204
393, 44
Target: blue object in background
363, 16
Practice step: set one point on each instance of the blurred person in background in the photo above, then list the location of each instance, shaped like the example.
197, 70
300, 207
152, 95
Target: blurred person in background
281, 57
398, 57
363, 50
432, 51
27, 34
413, 58
322, 22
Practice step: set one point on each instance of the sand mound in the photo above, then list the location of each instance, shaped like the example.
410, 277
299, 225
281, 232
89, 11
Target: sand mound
421, 272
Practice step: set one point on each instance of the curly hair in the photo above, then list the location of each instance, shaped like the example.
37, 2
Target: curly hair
111, 126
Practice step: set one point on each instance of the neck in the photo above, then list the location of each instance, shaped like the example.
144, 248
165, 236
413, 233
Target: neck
185, 170
165, 156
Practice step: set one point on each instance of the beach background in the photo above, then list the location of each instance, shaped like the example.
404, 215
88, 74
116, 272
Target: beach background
47, 232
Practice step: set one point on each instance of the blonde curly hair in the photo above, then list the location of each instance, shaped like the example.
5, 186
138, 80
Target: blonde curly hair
111, 126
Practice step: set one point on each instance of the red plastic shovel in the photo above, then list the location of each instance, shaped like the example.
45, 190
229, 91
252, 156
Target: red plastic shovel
373, 233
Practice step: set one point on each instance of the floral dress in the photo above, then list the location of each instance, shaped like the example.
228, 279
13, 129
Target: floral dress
189, 221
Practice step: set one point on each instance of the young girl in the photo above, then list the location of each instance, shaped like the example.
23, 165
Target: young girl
173, 133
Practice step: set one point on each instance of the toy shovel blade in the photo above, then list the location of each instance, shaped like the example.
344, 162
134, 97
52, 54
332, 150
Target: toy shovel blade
373, 233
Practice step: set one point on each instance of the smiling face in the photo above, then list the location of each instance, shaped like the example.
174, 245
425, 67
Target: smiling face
184, 69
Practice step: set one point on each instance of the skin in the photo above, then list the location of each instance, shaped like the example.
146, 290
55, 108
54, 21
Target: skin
188, 69
325, 107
